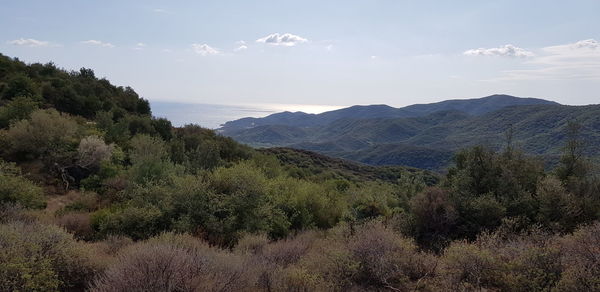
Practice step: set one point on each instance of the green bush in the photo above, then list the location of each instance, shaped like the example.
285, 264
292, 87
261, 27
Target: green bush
17, 109
16, 189
47, 134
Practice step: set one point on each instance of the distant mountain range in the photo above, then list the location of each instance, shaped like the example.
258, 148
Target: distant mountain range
422, 135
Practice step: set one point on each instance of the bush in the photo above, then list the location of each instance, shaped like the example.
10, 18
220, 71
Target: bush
16, 189
581, 260
386, 259
92, 151
434, 216
136, 222
468, 267
36, 257
558, 209
78, 224
175, 263
46, 133
18, 109
150, 160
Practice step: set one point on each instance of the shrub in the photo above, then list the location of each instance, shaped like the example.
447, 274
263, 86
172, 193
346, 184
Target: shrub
18, 109
468, 267
175, 263
581, 260
434, 216
47, 132
36, 257
136, 222
558, 209
150, 160
92, 151
386, 259
16, 189
78, 224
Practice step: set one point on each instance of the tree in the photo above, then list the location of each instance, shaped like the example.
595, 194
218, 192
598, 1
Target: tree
572, 162
17, 109
20, 85
46, 134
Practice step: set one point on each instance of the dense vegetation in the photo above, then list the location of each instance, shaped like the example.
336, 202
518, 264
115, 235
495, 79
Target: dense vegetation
429, 141
112, 199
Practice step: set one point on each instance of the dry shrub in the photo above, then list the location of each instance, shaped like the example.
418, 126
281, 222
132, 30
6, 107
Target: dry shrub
581, 260
10, 212
39, 257
288, 251
77, 223
387, 259
173, 262
271, 262
527, 262
251, 243
468, 267
331, 260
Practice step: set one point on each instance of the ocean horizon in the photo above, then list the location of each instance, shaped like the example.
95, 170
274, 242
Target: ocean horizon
212, 116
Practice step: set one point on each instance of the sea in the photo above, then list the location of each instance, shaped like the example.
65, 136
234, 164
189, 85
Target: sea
212, 116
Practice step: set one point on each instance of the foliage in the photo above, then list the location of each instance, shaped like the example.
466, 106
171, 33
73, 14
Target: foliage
17, 109
47, 132
35, 257
14, 188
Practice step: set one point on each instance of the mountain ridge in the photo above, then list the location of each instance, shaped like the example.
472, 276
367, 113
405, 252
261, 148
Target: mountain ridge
475, 106
429, 141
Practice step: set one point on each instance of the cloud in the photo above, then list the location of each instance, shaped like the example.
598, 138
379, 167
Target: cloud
241, 48
286, 39
578, 60
29, 43
98, 43
241, 45
139, 46
504, 51
204, 49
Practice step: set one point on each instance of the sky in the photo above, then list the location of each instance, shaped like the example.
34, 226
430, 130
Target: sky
317, 54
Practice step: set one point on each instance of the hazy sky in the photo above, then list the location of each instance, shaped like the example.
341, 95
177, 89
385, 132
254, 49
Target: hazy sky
318, 52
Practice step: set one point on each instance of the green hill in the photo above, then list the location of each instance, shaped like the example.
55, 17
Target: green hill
429, 141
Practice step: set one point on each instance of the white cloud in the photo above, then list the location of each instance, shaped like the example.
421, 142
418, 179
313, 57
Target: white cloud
98, 43
241, 45
504, 51
241, 48
204, 49
286, 39
329, 48
579, 60
29, 43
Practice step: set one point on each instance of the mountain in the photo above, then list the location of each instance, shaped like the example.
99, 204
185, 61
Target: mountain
429, 140
476, 106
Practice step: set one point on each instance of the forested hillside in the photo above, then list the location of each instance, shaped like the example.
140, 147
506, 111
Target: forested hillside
430, 141
476, 106
98, 195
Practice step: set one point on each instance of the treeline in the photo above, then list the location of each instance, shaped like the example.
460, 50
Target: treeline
110, 197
